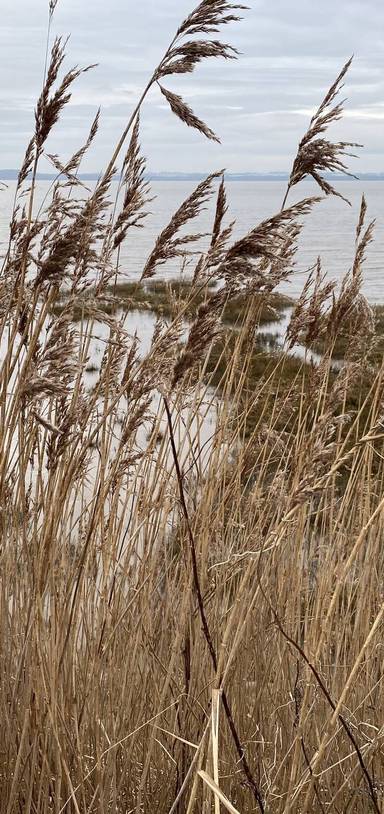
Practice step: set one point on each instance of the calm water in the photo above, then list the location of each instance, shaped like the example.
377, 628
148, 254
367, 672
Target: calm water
329, 230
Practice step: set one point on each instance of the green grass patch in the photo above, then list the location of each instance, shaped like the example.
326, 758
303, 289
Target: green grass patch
167, 298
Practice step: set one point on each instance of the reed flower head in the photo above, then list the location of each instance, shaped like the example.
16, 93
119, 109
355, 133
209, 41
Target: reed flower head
316, 154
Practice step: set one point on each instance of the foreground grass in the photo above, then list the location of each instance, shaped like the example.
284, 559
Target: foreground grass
191, 561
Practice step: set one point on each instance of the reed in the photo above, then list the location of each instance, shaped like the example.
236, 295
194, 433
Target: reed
191, 558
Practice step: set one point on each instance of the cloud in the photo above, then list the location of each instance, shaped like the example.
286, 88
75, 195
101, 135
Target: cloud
374, 113
291, 50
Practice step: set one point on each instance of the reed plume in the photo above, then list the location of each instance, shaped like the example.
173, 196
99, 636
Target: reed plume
316, 154
51, 102
168, 244
186, 114
136, 194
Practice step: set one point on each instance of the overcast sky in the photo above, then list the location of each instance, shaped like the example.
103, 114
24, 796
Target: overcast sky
259, 106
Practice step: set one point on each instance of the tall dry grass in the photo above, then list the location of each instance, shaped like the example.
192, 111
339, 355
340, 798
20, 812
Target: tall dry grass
191, 580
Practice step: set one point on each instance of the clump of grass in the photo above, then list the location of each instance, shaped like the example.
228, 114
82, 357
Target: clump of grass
270, 309
166, 298
342, 343
191, 553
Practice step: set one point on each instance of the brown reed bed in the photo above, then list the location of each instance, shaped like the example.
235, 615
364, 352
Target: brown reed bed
191, 606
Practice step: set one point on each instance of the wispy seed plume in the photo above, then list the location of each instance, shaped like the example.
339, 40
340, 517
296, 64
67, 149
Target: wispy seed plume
316, 154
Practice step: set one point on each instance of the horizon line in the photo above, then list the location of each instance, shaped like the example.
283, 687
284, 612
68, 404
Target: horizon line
11, 174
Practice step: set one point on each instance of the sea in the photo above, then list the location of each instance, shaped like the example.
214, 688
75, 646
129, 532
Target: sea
328, 233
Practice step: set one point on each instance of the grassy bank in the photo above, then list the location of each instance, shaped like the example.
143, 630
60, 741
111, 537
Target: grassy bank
167, 299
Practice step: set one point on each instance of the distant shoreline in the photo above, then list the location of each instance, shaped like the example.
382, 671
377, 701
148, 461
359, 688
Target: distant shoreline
11, 175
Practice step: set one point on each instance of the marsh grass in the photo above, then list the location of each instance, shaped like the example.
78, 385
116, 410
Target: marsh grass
191, 555
342, 343
166, 298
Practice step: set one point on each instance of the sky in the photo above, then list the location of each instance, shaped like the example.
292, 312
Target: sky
259, 105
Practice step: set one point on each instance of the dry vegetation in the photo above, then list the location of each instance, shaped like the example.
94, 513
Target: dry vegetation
191, 586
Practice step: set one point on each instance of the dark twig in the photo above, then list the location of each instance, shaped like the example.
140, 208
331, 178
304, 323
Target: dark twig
309, 767
197, 587
320, 682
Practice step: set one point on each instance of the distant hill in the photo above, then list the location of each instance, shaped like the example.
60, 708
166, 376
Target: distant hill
11, 175
258, 176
